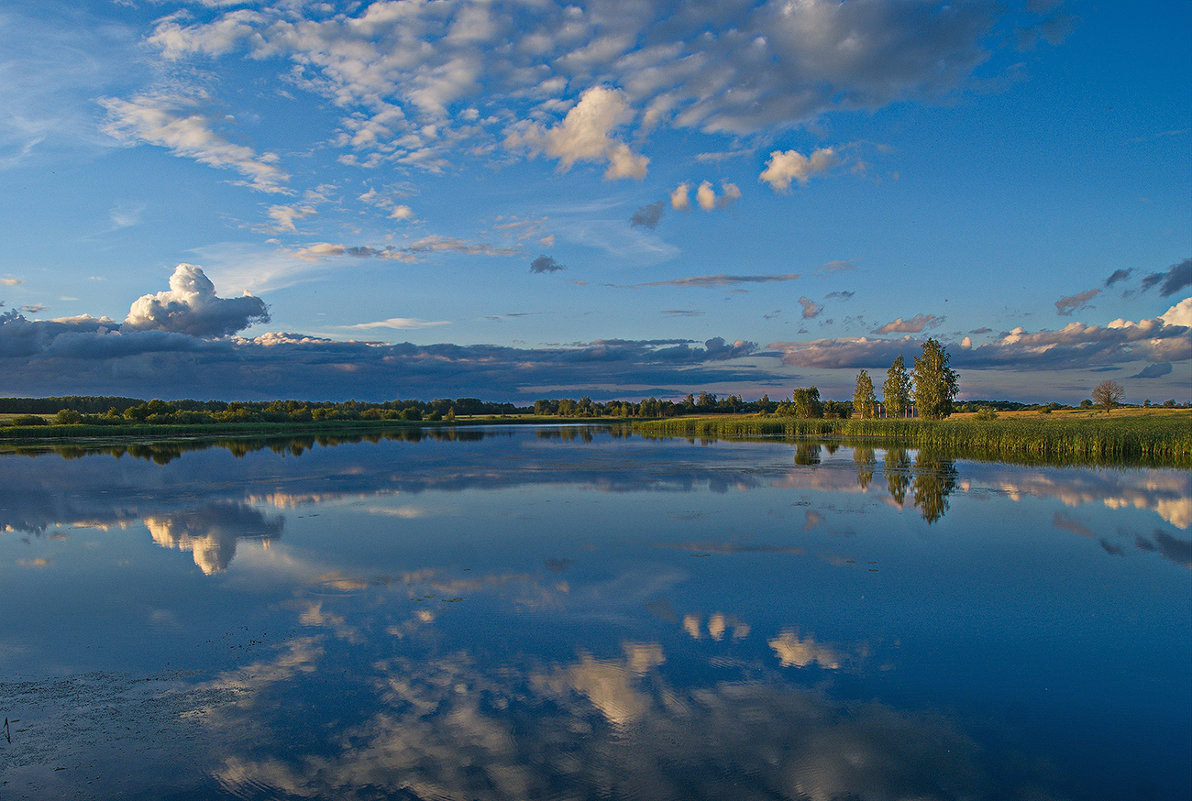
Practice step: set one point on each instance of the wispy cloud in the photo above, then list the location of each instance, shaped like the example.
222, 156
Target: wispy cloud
1177, 277
397, 323
411, 253
177, 123
648, 216
911, 326
719, 280
1065, 306
1118, 275
811, 309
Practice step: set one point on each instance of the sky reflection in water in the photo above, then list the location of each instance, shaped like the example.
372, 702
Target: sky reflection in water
574, 613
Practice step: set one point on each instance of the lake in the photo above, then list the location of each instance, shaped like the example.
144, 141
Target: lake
583, 613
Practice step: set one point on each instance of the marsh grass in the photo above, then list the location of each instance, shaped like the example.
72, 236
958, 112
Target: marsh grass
1159, 439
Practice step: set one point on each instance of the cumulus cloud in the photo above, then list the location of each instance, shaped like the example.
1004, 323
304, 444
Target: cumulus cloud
190, 306
1065, 306
648, 216
785, 166
811, 309
1177, 277
912, 326
679, 199
1179, 314
706, 197
176, 123
545, 264
585, 134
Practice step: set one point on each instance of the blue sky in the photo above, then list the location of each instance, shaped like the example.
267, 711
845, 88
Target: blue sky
517, 199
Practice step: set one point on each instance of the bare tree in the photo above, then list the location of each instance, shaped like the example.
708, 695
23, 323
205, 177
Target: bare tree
1108, 394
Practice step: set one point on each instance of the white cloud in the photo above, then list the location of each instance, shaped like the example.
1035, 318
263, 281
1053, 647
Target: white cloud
707, 198
415, 80
585, 134
679, 199
284, 216
175, 122
190, 306
785, 166
398, 323
1179, 314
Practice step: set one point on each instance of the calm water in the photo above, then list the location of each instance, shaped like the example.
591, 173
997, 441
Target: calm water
578, 614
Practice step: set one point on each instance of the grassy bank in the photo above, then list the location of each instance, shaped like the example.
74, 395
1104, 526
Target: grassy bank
162, 431
1159, 437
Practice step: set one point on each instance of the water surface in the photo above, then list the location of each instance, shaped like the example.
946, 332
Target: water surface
573, 613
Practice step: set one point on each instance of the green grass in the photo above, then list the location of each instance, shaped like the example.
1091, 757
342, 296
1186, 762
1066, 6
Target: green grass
1159, 439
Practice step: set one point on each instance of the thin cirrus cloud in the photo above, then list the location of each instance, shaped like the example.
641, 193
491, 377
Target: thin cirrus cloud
720, 280
411, 253
396, 323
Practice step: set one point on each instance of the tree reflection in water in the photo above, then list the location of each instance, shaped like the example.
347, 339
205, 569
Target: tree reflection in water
898, 473
865, 460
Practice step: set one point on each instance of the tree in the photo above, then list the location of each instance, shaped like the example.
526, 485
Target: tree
1108, 394
935, 382
897, 389
806, 402
863, 397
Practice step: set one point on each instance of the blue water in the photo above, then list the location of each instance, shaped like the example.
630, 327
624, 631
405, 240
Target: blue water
516, 613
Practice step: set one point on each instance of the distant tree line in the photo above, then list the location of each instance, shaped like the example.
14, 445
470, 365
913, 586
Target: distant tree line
117, 410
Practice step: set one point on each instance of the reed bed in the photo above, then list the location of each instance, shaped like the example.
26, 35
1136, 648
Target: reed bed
1162, 440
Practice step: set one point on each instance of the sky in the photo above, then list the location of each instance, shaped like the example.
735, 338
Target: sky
522, 199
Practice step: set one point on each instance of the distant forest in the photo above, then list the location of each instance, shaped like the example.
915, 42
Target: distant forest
113, 410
